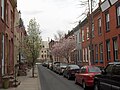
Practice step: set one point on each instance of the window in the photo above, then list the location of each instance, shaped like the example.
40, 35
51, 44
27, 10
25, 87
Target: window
115, 48
87, 33
86, 53
83, 56
78, 37
7, 7
118, 15
83, 69
96, 53
82, 35
2, 8
92, 29
45, 56
107, 17
99, 26
2, 54
116, 70
42, 56
92, 52
101, 52
108, 69
12, 17
93, 69
108, 49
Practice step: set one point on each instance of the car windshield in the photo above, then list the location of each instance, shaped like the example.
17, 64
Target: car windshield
63, 64
74, 66
94, 69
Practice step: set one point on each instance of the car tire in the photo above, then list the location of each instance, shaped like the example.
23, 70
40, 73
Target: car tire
68, 76
84, 85
96, 85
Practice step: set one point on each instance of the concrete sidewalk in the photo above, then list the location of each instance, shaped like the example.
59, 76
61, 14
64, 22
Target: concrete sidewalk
27, 82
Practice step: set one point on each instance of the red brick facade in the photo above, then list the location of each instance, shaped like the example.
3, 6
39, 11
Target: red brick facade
102, 39
7, 37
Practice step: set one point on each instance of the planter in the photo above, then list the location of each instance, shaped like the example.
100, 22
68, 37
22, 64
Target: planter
5, 83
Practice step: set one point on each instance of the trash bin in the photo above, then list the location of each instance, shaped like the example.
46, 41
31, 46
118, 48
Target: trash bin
5, 82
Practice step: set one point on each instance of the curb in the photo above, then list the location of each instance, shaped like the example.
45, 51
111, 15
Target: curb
38, 80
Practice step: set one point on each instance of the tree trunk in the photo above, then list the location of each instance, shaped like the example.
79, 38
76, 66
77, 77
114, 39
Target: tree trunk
33, 68
33, 71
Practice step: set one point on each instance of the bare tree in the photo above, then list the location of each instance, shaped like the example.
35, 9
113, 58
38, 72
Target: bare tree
59, 35
87, 6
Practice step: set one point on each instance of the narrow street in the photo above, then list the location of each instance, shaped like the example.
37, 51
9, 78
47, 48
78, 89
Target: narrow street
52, 81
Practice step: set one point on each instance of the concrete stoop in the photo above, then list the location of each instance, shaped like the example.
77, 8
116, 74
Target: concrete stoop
14, 83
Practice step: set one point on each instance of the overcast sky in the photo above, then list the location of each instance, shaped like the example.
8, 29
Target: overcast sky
52, 15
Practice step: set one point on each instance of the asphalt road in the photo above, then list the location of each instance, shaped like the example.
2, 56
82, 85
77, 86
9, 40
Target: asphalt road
52, 81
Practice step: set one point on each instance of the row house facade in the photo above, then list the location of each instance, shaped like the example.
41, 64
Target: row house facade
11, 34
19, 35
7, 37
100, 44
105, 35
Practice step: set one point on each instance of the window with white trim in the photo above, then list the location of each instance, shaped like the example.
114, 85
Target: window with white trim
83, 55
108, 49
99, 26
87, 33
107, 16
92, 29
118, 15
86, 53
101, 51
2, 8
82, 35
115, 48
96, 52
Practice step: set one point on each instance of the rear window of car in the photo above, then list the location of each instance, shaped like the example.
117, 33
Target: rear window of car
94, 69
74, 66
116, 70
63, 64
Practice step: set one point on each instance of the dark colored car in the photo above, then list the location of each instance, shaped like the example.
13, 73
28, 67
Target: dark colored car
45, 63
70, 71
109, 79
60, 69
86, 76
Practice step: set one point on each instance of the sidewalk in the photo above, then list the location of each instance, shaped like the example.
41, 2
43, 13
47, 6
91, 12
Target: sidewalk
27, 82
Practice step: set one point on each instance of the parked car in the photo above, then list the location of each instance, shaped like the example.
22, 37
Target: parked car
109, 79
45, 63
70, 71
55, 65
61, 67
86, 76
49, 64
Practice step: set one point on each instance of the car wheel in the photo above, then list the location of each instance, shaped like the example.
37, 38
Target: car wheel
96, 86
68, 76
84, 85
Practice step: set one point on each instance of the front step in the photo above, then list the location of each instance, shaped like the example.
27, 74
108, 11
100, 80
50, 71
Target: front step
14, 83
